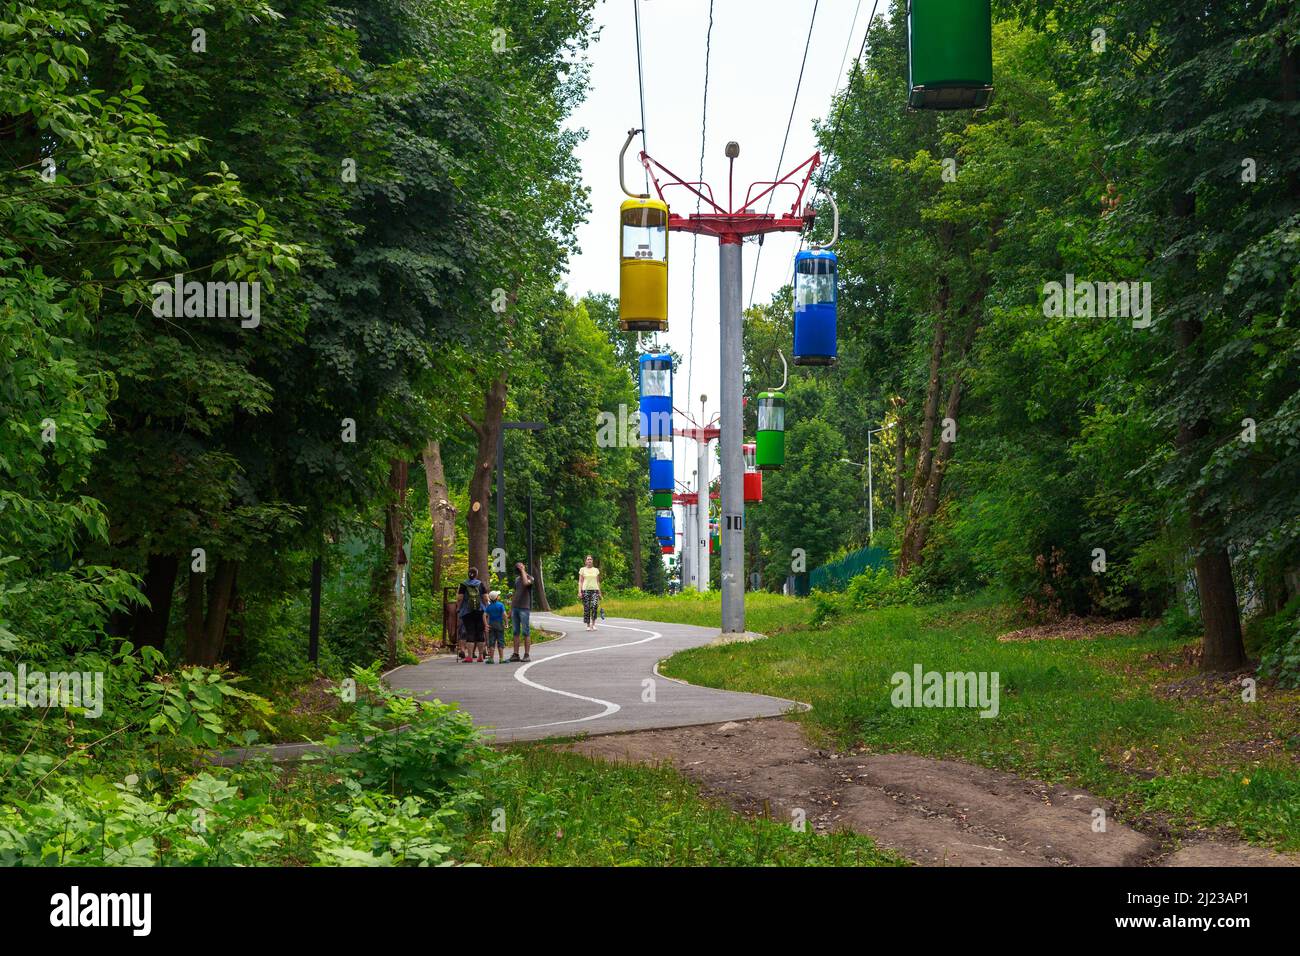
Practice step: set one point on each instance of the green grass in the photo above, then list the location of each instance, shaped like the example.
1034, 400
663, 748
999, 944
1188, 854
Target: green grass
764, 612
563, 809
1079, 712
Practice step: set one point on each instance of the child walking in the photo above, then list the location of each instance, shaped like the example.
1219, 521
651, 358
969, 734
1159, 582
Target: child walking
496, 636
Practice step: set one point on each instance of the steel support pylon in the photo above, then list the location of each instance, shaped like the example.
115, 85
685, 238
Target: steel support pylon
731, 524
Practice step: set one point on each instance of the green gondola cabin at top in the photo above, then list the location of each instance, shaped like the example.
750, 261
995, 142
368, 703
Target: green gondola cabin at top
950, 54
769, 451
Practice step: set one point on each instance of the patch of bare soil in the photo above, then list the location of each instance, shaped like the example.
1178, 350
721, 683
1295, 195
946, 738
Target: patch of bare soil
312, 698
1075, 628
932, 812
1220, 686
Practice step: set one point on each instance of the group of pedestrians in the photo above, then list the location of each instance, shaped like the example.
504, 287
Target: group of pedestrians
481, 615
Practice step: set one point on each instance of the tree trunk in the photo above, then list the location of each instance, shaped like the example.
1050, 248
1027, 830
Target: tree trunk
539, 588
634, 526
1221, 646
206, 651
195, 597
900, 459
442, 516
149, 624
929, 498
394, 537
1288, 95
480, 483
909, 554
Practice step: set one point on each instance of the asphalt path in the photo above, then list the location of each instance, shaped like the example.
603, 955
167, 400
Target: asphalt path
594, 682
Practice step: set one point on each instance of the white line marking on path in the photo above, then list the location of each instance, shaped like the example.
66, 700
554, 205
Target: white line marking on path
609, 705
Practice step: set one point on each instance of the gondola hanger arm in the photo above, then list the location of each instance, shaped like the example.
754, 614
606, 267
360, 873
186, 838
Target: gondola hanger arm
785, 372
631, 134
835, 232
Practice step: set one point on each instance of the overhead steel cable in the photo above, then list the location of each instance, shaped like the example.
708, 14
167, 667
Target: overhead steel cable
640, 81
789, 123
839, 113
695, 238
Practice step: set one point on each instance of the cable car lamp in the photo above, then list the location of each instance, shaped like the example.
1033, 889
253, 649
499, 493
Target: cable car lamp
655, 383
949, 54
643, 259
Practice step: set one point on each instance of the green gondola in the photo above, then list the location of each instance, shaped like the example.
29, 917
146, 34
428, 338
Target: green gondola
950, 54
770, 439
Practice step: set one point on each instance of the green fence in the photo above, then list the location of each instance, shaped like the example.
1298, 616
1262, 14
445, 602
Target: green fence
837, 575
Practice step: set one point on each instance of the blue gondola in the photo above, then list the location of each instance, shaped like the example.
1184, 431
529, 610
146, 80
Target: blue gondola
656, 384
661, 472
664, 526
815, 298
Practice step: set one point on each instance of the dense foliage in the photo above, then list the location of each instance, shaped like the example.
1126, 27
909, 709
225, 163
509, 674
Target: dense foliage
375, 202
1085, 461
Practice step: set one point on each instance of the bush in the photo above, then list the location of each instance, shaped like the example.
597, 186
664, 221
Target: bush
880, 587
1279, 638
406, 746
1177, 623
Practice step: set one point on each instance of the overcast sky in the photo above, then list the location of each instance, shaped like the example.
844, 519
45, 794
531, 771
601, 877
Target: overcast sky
757, 46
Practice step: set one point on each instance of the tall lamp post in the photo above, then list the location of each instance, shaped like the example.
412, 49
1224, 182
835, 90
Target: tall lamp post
871, 497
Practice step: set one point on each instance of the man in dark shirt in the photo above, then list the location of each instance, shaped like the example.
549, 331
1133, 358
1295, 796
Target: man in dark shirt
521, 605
469, 608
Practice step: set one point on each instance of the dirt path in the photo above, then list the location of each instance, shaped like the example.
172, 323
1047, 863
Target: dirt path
933, 812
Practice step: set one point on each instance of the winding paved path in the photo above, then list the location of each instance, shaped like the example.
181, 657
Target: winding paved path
587, 682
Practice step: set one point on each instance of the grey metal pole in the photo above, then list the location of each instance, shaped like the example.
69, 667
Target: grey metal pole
732, 533
871, 498
688, 547
501, 489
702, 516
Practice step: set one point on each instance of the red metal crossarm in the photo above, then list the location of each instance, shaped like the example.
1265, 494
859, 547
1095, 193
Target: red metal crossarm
729, 225
699, 434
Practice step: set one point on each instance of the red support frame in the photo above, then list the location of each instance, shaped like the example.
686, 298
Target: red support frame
734, 225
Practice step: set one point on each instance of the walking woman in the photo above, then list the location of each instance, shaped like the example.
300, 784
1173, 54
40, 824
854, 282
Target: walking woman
589, 592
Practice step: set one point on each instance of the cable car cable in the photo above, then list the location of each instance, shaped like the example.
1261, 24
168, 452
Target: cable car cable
790, 122
839, 115
695, 238
640, 80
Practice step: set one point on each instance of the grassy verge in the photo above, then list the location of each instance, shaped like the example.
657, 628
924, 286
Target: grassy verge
1094, 713
766, 613
567, 810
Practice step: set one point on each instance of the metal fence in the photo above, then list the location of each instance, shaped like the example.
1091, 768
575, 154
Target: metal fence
837, 575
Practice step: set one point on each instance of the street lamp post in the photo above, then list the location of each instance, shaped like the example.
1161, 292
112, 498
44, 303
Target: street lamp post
871, 497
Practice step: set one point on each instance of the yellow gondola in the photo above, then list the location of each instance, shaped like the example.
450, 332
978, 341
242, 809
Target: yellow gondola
643, 266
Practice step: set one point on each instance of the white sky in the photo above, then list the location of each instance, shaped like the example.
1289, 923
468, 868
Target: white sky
757, 46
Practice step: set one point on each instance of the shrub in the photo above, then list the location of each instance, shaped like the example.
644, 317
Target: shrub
406, 746
1279, 638
880, 587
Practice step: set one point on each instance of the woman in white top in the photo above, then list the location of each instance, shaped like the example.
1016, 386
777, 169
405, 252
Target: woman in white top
589, 592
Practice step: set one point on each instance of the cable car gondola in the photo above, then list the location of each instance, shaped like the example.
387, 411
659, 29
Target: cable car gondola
656, 388
769, 451
643, 266
815, 299
753, 480
661, 472
664, 531
949, 54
